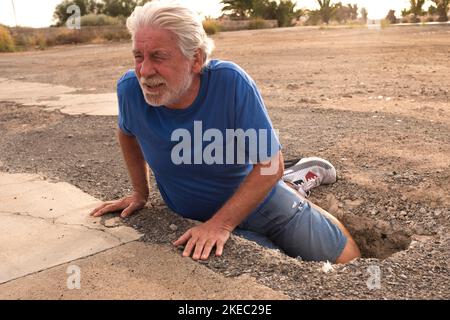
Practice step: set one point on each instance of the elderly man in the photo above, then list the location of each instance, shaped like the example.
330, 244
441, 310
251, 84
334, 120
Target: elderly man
176, 101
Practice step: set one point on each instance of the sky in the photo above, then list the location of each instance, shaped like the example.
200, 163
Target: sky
39, 13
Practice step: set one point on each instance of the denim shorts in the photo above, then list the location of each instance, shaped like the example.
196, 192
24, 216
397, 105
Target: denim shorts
288, 223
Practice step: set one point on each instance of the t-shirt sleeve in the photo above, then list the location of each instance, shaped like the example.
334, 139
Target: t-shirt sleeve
262, 141
124, 111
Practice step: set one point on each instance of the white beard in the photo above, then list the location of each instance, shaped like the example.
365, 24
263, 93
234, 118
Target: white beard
166, 95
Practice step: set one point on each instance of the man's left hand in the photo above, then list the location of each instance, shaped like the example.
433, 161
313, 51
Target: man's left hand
201, 240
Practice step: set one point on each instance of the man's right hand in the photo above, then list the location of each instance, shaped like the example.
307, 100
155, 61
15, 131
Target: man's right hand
128, 205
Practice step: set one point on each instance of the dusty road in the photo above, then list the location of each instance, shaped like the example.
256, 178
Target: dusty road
373, 102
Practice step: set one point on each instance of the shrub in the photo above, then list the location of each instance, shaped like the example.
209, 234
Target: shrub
22, 40
40, 42
257, 23
314, 18
211, 26
391, 17
385, 23
428, 18
72, 37
100, 20
6, 41
29, 38
116, 35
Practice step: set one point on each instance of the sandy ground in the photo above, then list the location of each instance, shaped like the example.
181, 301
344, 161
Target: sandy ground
373, 102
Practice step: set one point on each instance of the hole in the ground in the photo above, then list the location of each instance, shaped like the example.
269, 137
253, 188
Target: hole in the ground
375, 238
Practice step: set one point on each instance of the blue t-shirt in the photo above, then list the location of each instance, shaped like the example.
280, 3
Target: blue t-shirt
197, 170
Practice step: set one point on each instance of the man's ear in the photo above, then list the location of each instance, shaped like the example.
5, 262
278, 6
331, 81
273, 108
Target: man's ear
198, 61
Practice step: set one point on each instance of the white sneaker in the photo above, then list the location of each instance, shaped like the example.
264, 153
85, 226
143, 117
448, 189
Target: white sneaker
310, 173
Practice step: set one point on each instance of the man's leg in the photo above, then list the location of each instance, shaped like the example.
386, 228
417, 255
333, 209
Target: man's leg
301, 229
351, 250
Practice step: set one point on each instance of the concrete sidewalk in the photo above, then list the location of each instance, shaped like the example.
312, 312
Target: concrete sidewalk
63, 98
46, 234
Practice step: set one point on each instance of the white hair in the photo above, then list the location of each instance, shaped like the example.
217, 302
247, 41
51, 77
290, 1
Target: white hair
173, 16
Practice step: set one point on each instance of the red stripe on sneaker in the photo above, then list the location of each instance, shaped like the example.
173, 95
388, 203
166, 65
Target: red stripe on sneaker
310, 175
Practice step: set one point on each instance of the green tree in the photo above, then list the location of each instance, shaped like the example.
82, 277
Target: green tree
115, 8
344, 13
283, 10
432, 10
417, 7
264, 9
286, 13
442, 7
240, 9
326, 11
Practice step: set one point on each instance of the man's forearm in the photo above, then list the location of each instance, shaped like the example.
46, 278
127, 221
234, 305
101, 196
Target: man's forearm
135, 162
249, 195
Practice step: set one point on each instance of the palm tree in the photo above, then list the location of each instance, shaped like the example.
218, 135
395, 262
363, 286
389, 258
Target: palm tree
364, 14
286, 13
442, 9
326, 10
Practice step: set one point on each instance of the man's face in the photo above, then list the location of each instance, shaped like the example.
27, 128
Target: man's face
164, 73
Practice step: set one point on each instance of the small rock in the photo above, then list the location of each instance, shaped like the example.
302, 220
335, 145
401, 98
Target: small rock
307, 100
173, 227
327, 267
403, 213
437, 213
423, 210
292, 86
113, 222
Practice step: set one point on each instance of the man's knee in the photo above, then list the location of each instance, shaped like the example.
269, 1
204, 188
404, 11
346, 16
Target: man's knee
350, 252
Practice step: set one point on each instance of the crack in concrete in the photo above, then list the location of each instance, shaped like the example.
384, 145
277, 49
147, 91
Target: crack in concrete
53, 221
29, 215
